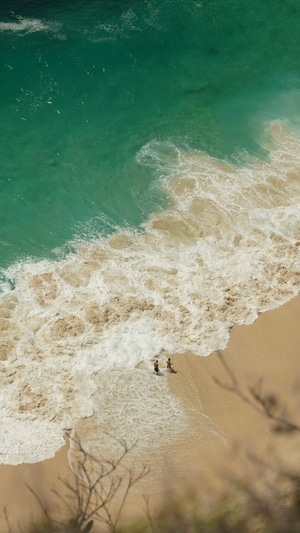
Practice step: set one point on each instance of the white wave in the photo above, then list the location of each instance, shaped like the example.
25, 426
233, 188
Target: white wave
225, 249
24, 25
28, 25
40, 437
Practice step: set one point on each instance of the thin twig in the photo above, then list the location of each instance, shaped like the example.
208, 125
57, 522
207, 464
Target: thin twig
257, 401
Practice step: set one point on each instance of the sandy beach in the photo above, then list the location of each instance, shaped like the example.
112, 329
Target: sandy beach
21, 506
267, 349
150, 192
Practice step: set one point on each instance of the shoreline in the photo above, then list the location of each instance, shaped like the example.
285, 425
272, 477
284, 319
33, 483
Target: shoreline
268, 348
264, 354
21, 505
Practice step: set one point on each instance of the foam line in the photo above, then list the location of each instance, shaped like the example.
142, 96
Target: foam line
226, 249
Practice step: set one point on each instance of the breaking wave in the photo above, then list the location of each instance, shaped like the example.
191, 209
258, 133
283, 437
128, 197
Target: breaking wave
78, 335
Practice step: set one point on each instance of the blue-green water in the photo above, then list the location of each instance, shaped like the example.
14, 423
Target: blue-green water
149, 201
85, 85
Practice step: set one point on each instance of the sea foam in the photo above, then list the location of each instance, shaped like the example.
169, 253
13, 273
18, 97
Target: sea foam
78, 331
24, 25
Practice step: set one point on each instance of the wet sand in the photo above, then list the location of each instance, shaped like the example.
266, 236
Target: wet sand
229, 429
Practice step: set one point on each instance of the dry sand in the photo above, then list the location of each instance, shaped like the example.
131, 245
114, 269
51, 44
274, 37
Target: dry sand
21, 505
228, 428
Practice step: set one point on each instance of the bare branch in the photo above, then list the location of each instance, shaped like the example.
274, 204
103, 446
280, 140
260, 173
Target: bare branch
147, 512
265, 404
5, 512
95, 486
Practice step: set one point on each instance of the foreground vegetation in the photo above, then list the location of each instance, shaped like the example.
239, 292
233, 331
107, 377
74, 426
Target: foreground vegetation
94, 501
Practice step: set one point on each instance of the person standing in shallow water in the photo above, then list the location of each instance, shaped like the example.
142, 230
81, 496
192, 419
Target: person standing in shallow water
170, 367
156, 367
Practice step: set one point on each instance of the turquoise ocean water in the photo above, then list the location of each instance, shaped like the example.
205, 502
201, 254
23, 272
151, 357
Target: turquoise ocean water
149, 199
86, 85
